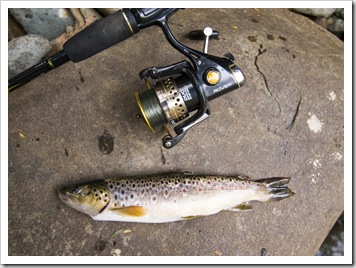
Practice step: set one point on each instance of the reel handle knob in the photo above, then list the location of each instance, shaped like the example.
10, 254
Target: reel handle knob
207, 32
169, 141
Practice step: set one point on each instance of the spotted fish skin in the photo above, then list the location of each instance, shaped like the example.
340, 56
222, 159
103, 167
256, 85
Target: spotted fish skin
149, 191
167, 198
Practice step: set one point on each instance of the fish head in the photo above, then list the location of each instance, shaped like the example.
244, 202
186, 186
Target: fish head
89, 198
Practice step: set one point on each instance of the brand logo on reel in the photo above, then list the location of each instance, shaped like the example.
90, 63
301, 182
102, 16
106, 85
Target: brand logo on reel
222, 87
186, 94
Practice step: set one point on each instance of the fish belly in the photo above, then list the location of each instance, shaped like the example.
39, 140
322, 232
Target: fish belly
176, 208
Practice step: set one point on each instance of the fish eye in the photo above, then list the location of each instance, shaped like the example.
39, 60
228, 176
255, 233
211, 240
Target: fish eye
76, 190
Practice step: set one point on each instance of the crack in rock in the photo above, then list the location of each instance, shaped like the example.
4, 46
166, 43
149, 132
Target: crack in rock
295, 114
260, 52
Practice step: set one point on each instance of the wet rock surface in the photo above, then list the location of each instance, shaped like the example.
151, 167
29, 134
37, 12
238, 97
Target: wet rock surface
287, 120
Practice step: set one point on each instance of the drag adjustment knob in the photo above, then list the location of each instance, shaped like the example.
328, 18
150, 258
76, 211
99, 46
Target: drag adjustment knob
211, 76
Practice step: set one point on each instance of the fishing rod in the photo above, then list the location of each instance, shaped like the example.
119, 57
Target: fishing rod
97, 37
180, 92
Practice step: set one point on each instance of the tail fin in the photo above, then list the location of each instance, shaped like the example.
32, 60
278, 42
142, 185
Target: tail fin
277, 187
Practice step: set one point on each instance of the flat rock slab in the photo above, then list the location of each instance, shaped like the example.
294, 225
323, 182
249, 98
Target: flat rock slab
287, 120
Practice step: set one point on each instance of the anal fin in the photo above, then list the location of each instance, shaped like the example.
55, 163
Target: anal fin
241, 207
191, 217
133, 211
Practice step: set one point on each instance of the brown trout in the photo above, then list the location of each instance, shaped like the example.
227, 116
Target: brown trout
168, 198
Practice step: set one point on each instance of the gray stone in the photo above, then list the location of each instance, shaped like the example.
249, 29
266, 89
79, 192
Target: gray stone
317, 12
26, 51
287, 120
339, 12
48, 22
336, 24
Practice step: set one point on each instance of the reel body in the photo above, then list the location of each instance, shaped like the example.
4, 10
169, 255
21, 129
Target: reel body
185, 88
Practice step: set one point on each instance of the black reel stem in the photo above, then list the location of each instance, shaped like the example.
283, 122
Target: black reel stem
162, 21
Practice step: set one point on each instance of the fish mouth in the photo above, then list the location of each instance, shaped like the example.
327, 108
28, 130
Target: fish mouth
62, 196
70, 201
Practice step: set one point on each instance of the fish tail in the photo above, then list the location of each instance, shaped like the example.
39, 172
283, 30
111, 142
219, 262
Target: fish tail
277, 187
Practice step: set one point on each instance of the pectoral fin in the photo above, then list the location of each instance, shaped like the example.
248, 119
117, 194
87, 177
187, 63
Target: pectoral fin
240, 207
133, 211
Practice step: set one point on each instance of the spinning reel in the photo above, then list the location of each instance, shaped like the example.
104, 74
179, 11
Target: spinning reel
180, 89
185, 87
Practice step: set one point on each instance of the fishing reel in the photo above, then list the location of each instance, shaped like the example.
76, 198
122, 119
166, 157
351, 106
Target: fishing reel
181, 92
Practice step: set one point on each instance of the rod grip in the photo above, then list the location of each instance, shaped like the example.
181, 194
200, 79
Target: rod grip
101, 35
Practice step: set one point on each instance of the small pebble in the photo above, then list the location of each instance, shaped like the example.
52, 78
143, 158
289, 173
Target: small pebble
263, 251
